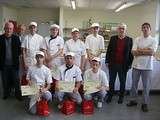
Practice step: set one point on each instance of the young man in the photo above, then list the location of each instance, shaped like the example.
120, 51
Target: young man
30, 45
94, 43
143, 50
53, 48
119, 60
78, 47
95, 73
69, 72
39, 75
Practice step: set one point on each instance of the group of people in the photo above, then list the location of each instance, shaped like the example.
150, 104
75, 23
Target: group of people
49, 59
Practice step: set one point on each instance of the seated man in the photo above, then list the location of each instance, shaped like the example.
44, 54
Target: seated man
40, 75
95, 73
69, 72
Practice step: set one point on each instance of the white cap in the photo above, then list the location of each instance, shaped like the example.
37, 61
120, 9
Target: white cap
122, 25
54, 26
95, 25
96, 59
75, 30
33, 23
40, 53
70, 54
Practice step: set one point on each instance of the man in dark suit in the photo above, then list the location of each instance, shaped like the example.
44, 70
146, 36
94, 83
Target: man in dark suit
9, 61
119, 60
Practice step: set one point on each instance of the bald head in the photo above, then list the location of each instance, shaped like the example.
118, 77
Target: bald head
8, 28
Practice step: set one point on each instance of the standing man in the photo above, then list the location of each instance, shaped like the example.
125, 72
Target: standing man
143, 50
30, 45
21, 32
119, 60
76, 46
94, 43
9, 61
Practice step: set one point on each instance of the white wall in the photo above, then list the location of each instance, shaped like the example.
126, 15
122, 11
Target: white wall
26, 15
133, 17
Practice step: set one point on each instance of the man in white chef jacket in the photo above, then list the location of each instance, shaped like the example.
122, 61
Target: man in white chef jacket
30, 45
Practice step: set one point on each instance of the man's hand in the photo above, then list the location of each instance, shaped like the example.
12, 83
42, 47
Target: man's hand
75, 90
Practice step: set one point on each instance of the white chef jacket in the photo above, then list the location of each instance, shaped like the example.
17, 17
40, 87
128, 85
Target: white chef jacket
77, 47
144, 62
32, 43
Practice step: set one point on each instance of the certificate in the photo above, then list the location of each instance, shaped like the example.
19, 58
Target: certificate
91, 86
54, 71
157, 54
29, 90
66, 86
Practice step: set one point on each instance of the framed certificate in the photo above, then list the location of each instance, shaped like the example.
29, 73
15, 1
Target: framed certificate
91, 86
66, 86
29, 90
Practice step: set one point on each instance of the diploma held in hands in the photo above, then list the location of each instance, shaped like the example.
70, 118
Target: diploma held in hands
66, 86
91, 86
29, 90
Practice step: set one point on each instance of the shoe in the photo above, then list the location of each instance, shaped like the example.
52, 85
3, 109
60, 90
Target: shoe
60, 106
144, 108
5, 97
99, 105
132, 103
109, 99
120, 100
19, 98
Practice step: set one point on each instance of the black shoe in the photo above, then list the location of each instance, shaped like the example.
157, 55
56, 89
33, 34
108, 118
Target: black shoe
132, 103
19, 98
109, 99
5, 97
120, 100
144, 108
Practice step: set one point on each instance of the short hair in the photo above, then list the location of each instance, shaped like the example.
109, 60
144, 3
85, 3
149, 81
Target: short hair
146, 23
122, 25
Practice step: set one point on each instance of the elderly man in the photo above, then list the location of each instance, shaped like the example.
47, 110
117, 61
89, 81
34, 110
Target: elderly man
69, 72
76, 46
30, 45
119, 60
143, 50
94, 43
9, 61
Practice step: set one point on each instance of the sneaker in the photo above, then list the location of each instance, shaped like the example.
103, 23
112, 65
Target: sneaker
109, 99
99, 105
144, 108
132, 103
60, 106
120, 100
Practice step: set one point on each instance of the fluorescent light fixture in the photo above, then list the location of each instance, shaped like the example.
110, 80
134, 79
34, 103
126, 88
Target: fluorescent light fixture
73, 4
125, 5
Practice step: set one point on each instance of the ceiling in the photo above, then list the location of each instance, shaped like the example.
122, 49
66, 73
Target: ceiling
84, 4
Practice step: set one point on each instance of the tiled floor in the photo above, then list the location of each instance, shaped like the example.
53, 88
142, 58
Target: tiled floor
11, 109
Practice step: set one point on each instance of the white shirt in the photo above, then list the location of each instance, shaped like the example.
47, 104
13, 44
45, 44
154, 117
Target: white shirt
73, 74
32, 43
77, 47
39, 75
144, 62
100, 75
94, 43
52, 46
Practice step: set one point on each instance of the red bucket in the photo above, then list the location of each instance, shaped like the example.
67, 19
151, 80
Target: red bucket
42, 108
68, 107
87, 107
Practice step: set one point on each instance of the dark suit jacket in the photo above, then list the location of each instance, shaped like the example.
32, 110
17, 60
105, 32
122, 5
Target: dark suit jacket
16, 49
111, 51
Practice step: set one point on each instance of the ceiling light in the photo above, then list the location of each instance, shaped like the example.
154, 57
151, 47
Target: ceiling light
73, 4
125, 5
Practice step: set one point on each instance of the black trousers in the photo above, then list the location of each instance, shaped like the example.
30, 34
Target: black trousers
120, 70
10, 79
